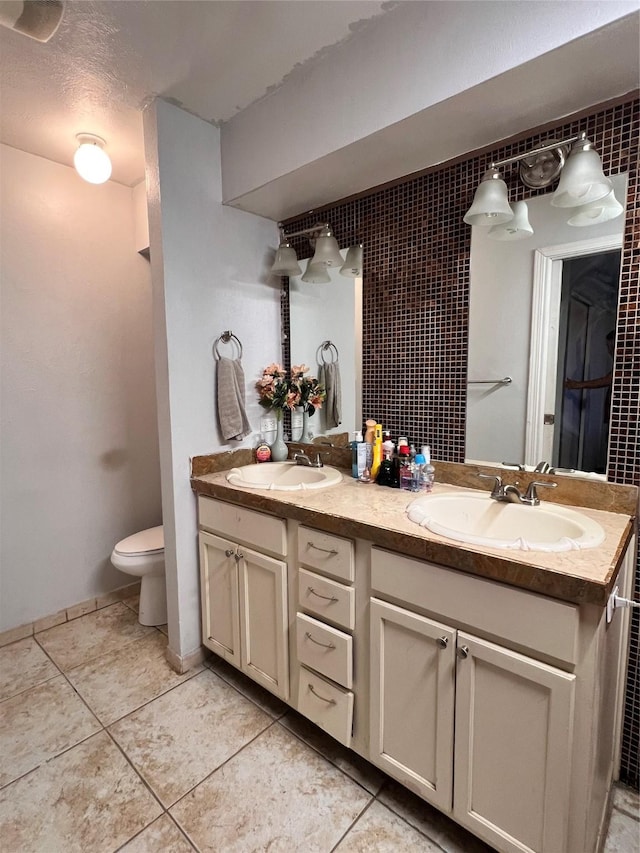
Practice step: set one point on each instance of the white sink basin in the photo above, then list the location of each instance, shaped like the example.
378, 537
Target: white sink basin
283, 476
476, 519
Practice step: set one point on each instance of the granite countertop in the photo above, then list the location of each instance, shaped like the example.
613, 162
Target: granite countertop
357, 510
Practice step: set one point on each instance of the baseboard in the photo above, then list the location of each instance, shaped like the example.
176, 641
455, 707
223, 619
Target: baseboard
74, 611
183, 663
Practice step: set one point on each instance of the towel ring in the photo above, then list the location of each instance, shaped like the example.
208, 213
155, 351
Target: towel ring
331, 348
226, 338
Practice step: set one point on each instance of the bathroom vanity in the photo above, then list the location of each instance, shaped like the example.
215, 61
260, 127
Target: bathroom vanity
487, 682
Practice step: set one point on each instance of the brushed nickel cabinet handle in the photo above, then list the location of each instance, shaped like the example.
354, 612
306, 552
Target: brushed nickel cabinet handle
229, 552
443, 642
463, 652
318, 643
331, 551
319, 595
318, 696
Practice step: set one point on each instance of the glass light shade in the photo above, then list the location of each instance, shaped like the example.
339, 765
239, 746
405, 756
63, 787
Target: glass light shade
327, 251
352, 266
516, 228
286, 261
91, 160
598, 211
582, 180
316, 273
490, 203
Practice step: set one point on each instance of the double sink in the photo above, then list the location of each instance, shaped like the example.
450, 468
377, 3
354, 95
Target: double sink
467, 516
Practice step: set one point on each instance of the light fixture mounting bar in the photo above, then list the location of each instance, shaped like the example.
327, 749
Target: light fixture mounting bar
315, 229
557, 143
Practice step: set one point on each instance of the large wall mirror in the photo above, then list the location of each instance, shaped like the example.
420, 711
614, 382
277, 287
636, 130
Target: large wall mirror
541, 341
326, 328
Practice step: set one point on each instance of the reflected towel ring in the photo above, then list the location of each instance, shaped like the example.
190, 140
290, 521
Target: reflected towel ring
331, 348
226, 338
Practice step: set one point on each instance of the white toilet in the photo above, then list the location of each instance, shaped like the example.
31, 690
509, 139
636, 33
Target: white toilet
142, 555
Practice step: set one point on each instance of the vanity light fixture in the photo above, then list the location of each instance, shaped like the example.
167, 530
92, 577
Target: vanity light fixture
92, 162
582, 183
515, 228
326, 254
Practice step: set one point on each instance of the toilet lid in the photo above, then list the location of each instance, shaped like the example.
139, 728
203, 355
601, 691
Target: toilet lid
146, 542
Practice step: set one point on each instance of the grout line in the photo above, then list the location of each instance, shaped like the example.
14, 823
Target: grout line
635, 817
352, 824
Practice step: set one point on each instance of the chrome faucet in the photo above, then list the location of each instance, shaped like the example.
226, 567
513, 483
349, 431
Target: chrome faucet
508, 492
301, 458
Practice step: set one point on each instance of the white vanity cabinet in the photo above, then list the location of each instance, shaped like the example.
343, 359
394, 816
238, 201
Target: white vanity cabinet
244, 591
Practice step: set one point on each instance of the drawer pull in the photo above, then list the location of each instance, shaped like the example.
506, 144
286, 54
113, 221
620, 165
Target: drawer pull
331, 551
443, 642
463, 652
239, 556
319, 595
229, 552
318, 643
317, 695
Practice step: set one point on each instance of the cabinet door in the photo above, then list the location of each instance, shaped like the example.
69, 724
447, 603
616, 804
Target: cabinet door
412, 700
219, 597
263, 620
513, 747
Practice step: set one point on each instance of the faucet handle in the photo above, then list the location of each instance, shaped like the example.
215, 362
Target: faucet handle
497, 483
531, 496
319, 463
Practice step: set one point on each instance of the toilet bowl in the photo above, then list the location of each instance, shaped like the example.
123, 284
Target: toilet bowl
142, 555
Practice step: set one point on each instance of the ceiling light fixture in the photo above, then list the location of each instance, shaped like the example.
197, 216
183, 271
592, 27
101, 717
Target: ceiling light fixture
92, 162
326, 254
582, 182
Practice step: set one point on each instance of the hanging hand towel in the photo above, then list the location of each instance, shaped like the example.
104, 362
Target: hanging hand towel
330, 378
231, 399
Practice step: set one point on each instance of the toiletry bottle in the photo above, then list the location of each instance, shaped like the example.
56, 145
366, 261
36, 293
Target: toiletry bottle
418, 483
405, 468
357, 440
262, 450
377, 452
429, 472
385, 474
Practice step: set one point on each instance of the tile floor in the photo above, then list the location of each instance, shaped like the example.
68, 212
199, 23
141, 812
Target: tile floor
103, 748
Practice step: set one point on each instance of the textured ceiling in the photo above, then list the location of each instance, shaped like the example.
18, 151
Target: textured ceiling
108, 59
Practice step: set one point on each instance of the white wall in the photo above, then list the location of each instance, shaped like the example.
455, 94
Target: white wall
79, 449
500, 325
209, 271
399, 65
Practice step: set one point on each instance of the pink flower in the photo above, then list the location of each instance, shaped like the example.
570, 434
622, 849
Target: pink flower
274, 370
292, 400
316, 401
299, 369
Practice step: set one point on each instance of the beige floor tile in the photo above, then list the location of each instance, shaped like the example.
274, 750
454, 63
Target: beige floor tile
88, 799
180, 738
277, 794
435, 825
382, 831
39, 723
23, 665
627, 800
623, 835
348, 761
118, 683
95, 634
12, 635
265, 700
163, 836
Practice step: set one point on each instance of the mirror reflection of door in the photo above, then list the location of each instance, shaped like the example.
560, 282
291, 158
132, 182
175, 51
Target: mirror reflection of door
586, 343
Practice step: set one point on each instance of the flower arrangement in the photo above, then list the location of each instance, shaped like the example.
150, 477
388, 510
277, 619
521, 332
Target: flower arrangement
279, 392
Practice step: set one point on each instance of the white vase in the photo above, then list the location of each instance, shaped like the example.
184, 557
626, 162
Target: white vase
307, 435
279, 449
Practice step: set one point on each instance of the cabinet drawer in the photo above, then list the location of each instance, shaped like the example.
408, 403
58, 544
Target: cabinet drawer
327, 599
325, 649
243, 525
325, 552
536, 623
326, 705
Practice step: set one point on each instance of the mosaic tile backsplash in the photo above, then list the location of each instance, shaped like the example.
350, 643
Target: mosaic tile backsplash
416, 307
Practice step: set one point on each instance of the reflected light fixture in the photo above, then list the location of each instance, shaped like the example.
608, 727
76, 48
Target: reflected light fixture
582, 182
92, 162
598, 211
326, 254
316, 273
352, 266
515, 228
